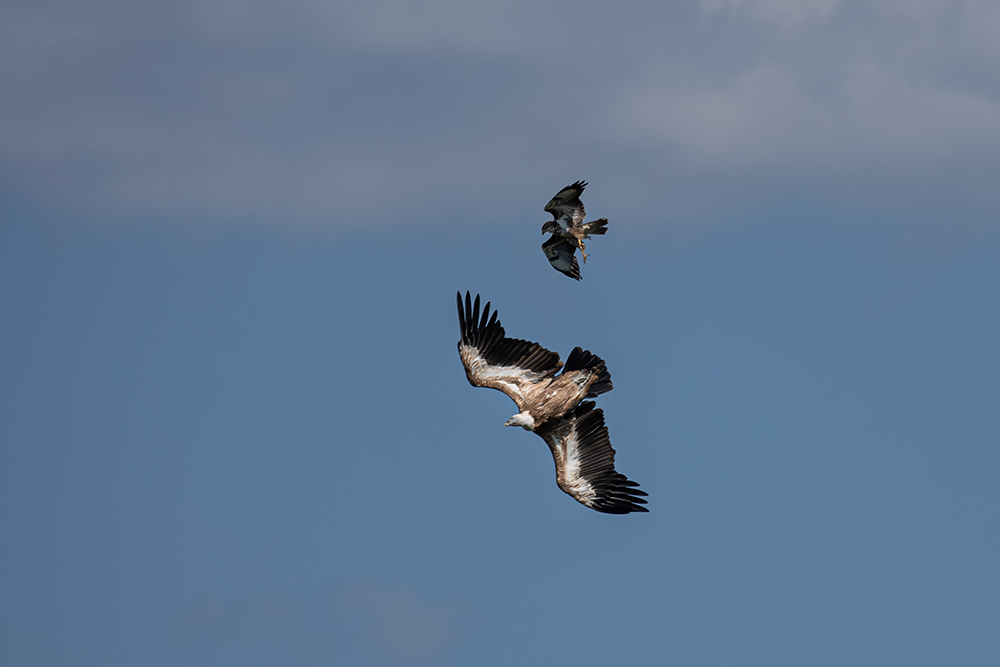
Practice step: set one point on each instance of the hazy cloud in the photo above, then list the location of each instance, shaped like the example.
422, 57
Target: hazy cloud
405, 627
355, 624
345, 113
787, 13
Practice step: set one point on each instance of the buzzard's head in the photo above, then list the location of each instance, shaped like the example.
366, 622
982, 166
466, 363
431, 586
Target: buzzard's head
551, 227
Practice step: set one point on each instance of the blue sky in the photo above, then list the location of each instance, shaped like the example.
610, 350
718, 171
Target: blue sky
234, 429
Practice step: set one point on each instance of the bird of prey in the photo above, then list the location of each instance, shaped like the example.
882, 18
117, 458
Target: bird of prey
568, 230
551, 405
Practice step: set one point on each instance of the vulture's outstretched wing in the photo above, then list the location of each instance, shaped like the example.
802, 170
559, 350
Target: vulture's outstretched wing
580, 359
566, 206
493, 360
562, 256
585, 462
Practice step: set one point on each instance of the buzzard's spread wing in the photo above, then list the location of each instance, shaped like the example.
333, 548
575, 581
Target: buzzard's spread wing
493, 360
566, 206
585, 462
562, 256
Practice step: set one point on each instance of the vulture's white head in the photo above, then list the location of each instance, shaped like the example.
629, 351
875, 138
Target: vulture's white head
522, 419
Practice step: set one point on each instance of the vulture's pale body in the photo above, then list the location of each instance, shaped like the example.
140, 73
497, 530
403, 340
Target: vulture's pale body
551, 405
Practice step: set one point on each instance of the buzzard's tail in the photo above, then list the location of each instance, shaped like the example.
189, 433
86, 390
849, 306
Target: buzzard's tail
598, 227
582, 360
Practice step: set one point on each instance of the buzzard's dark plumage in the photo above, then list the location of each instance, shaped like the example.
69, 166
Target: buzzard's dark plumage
569, 230
551, 405
562, 256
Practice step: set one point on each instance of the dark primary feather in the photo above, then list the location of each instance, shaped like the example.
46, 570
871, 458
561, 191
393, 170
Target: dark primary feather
580, 359
487, 335
562, 256
580, 442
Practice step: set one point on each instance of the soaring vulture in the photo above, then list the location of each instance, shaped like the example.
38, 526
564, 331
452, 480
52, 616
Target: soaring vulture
551, 405
568, 230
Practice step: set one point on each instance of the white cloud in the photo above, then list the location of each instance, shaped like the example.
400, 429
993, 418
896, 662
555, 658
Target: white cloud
764, 118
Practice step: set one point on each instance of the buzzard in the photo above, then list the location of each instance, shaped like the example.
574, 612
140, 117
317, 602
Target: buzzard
568, 230
551, 405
